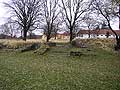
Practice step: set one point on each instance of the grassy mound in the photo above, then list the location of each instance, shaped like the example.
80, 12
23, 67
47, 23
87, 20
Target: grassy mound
106, 44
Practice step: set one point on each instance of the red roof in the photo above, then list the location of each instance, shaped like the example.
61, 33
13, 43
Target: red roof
66, 33
98, 32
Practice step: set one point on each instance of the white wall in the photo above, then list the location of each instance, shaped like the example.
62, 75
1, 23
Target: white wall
85, 36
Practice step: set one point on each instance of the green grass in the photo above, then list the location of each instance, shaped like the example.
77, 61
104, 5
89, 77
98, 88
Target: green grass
57, 70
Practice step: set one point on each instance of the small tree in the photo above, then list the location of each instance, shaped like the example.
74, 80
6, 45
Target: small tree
50, 13
90, 22
5, 29
9, 28
56, 29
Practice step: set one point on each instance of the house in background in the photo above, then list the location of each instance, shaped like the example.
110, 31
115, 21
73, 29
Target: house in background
59, 35
84, 34
99, 33
63, 35
34, 36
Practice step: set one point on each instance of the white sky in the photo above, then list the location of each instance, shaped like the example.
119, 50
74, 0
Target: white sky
4, 15
3, 12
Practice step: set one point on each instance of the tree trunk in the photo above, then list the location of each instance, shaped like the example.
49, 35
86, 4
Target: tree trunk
30, 35
24, 35
89, 34
118, 37
21, 34
48, 35
55, 36
119, 17
117, 47
71, 34
48, 38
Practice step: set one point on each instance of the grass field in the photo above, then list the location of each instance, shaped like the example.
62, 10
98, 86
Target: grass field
97, 69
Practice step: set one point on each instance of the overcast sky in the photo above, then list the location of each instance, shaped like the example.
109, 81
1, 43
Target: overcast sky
4, 15
3, 12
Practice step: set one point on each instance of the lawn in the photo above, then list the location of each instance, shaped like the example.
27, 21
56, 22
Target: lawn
97, 69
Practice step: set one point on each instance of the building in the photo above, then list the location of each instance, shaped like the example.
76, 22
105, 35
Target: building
63, 35
34, 36
99, 33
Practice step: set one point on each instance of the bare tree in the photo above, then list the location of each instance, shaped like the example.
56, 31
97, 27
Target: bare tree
71, 11
106, 9
26, 13
91, 22
50, 14
5, 29
117, 1
9, 28
13, 27
56, 28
